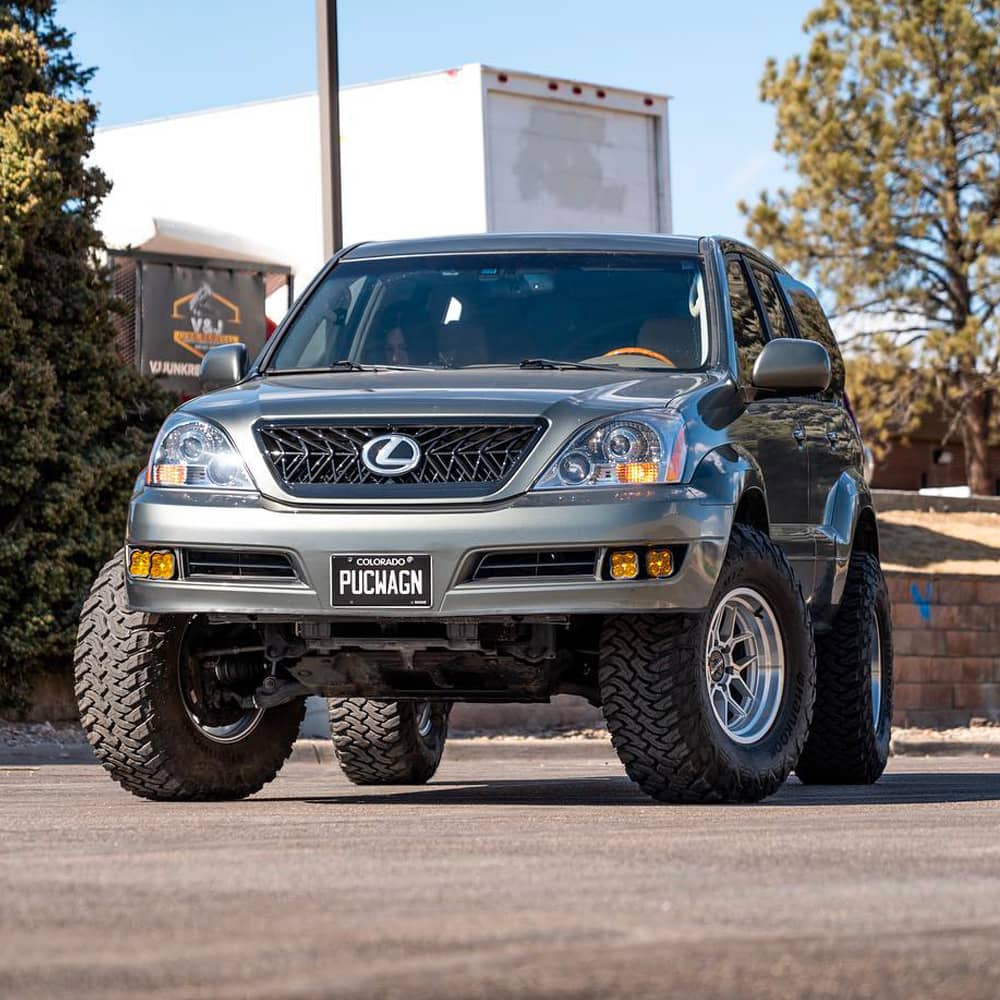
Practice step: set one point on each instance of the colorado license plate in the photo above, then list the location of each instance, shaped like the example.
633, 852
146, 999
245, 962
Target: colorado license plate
381, 581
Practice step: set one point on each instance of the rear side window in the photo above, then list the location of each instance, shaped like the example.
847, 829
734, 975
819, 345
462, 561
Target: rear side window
771, 300
813, 324
748, 327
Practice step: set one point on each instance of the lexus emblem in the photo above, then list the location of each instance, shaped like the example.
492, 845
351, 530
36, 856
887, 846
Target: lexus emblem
391, 455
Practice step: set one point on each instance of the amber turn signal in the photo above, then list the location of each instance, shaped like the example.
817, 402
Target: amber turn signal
624, 565
636, 472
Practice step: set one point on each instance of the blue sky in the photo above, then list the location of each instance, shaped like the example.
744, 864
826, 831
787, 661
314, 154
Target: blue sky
163, 57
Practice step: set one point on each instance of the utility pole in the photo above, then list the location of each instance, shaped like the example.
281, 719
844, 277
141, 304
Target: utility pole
329, 123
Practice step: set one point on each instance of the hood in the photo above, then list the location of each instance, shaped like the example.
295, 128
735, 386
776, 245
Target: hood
447, 393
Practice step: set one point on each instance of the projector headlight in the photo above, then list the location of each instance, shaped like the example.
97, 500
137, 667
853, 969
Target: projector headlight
635, 449
195, 454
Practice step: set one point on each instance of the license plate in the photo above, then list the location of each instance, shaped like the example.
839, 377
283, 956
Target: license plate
381, 581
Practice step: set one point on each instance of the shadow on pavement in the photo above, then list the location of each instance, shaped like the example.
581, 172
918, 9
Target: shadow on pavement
893, 789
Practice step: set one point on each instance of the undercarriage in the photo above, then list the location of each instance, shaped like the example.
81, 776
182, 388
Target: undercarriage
254, 664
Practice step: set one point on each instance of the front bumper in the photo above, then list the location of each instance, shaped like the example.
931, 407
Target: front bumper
453, 535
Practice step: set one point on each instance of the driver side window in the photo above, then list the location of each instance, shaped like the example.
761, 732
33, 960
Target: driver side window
748, 327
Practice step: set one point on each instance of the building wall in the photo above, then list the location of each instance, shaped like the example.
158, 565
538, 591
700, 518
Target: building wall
912, 466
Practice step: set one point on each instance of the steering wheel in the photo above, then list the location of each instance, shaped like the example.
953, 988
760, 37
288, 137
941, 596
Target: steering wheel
644, 351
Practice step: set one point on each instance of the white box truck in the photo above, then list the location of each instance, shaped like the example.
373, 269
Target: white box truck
473, 149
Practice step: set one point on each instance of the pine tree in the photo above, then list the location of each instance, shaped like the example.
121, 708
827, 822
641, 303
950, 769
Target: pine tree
75, 422
892, 123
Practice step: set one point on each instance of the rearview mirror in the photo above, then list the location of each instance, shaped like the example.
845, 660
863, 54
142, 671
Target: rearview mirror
790, 365
223, 366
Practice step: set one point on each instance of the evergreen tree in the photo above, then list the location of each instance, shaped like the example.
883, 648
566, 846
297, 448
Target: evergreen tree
75, 422
892, 123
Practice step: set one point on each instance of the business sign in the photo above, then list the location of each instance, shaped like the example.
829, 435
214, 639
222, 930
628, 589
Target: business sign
186, 311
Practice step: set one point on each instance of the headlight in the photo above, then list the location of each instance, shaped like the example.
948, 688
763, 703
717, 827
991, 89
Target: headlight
196, 454
634, 449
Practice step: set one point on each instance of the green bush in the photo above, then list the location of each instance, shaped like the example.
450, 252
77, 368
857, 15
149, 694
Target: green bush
75, 423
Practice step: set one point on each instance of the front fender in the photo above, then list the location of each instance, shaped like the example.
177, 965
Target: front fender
726, 473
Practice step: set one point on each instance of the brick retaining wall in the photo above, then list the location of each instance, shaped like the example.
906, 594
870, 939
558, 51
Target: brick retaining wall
946, 631
947, 640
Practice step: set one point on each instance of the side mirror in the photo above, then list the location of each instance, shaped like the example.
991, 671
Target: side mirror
223, 366
790, 365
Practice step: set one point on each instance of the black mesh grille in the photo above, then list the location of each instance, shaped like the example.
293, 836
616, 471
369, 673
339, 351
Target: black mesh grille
546, 563
455, 453
233, 564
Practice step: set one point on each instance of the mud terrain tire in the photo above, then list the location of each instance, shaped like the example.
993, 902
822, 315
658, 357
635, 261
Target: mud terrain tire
388, 742
133, 713
847, 745
655, 689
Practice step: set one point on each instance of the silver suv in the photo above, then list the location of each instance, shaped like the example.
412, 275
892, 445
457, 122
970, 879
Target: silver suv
496, 468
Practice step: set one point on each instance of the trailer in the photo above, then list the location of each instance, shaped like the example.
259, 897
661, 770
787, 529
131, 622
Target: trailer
466, 150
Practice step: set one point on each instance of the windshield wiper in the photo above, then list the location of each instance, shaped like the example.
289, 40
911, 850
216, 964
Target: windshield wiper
336, 366
547, 363
346, 366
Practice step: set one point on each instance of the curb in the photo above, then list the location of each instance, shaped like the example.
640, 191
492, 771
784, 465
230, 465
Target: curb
317, 751
943, 748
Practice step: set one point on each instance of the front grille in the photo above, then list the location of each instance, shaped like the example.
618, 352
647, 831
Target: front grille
544, 563
306, 456
230, 565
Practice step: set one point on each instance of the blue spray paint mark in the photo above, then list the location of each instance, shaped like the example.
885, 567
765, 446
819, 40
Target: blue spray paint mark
922, 601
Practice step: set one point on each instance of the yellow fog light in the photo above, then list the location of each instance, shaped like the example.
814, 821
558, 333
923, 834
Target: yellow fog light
138, 563
659, 562
624, 565
161, 566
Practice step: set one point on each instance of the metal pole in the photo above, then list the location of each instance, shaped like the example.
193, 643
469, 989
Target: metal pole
329, 123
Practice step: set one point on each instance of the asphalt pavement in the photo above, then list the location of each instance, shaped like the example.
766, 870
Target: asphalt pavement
527, 868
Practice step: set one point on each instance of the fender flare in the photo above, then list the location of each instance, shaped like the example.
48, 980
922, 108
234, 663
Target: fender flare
728, 475
848, 520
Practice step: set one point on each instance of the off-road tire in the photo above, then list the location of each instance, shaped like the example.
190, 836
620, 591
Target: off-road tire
656, 698
379, 743
133, 714
844, 746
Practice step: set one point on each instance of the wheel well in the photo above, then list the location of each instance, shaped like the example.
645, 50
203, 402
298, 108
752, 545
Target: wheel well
866, 533
752, 510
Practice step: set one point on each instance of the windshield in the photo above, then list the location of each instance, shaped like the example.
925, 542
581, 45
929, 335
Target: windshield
614, 310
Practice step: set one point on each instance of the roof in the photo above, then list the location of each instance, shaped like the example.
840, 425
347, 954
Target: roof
178, 239
520, 75
500, 242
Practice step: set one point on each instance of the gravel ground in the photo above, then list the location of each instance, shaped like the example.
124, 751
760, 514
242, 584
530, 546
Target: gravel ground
935, 542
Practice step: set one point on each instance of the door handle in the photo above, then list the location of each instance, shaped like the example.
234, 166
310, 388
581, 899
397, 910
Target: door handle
832, 437
799, 433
